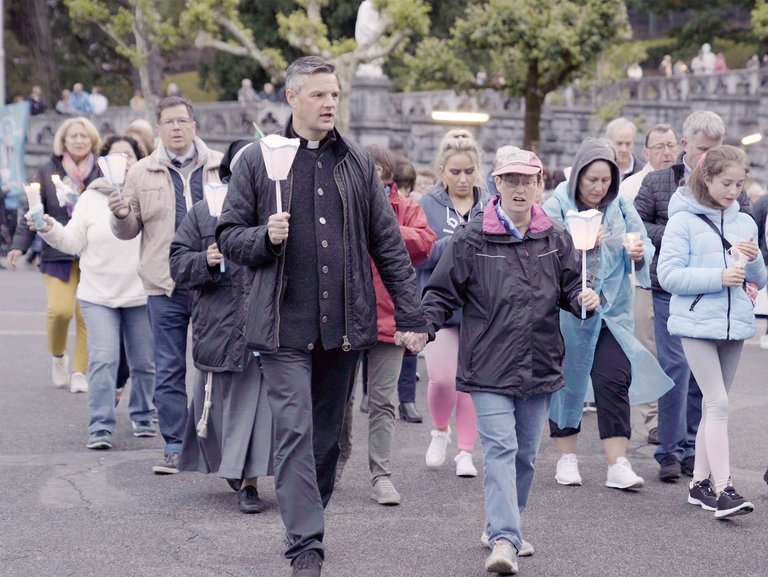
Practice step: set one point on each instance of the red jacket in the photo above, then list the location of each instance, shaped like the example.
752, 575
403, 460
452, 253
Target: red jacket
419, 240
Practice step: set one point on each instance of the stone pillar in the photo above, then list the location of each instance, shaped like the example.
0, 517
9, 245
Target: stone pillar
369, 110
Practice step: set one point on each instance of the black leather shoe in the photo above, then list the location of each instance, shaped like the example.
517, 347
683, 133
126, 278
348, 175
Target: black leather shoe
409, 413
669, 470
765, 477
234, 484
687, 465
364, 404
248, 500
653, 436
308, 564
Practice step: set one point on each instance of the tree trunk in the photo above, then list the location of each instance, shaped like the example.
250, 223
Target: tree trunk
533, 104
40, 43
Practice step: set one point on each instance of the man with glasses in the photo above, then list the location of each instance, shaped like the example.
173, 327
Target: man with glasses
158, 192
679, 408
661, 149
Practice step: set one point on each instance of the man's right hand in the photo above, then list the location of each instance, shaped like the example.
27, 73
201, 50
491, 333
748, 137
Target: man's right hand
277, 227
13, 256
119, 205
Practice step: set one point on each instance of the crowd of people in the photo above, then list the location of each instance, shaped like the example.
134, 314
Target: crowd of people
365, 260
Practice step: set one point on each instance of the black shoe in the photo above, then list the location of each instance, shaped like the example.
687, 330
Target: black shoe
169, 466
765, 477
687, 465
653, 436
730, 504
308, 564
234, 484
248, 500
669, 470
409, 413
364, 404
703, 495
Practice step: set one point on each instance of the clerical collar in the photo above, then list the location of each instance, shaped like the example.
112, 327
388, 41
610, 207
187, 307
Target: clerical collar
312, 144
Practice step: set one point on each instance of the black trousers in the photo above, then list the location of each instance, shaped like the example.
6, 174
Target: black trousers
307, 393
611, 376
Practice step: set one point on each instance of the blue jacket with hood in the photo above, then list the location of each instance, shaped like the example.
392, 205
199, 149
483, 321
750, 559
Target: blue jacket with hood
691, 265
609, 268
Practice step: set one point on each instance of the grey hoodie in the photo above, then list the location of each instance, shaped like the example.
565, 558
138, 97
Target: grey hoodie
589, 151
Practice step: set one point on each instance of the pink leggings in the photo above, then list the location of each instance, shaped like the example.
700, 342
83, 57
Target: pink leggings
441, 356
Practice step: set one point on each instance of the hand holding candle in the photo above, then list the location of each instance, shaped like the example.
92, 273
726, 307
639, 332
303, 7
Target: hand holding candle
748, 248
64, 193
36, 210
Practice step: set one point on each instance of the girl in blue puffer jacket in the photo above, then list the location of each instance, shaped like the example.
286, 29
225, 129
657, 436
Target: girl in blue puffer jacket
709, 263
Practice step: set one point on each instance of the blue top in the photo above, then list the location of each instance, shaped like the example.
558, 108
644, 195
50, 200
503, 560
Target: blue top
608, 270
691, 264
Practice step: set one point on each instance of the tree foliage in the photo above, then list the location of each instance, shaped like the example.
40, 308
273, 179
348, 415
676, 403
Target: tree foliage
527, 48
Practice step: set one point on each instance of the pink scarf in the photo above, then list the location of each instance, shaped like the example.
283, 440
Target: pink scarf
77, 171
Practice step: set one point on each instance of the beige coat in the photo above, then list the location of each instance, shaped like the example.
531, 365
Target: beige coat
150, 193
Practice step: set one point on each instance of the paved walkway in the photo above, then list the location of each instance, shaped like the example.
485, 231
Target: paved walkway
66, 511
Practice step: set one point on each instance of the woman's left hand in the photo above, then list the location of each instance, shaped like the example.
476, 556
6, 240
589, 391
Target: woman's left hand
748, 248
635, 250
589, 299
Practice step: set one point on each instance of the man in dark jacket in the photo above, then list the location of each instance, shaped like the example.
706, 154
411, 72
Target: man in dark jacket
680, 408
312, 305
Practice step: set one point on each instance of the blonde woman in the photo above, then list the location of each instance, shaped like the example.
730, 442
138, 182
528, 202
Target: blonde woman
453, 201
75, 146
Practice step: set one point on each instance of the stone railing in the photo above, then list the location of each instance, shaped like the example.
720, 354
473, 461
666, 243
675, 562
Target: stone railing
402, 121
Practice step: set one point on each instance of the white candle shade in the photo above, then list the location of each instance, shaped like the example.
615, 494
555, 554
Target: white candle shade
278, 153
584, 227
114, 166
215, 193
32, 191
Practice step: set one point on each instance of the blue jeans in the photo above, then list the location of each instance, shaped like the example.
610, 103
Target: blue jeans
169, 317
510, 433
105, 326
680, 407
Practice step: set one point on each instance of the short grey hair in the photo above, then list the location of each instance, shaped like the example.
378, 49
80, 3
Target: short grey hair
305, 66
618, 123
704, 121
660, 128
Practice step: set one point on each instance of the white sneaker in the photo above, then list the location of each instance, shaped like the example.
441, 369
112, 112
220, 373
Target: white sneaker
621, 476
436, 452
526, 549
503, 558
567, 472
764, 342
78, 384
60, 371
464, 465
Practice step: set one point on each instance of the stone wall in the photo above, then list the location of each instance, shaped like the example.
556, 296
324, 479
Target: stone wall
402, 121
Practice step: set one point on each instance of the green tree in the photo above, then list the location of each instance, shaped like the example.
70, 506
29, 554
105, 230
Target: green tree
529, 48
138, 29
219, 24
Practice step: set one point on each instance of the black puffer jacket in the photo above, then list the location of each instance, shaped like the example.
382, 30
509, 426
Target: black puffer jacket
652, 204
218, 343
370, 228
23, 237
510, 292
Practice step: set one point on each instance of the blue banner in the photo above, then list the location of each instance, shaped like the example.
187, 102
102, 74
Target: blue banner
13, 135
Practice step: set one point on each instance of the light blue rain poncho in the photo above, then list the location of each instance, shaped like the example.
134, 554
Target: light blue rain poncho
608, 270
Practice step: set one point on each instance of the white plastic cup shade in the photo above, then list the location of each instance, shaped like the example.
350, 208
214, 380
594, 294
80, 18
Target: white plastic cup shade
114, 166
584, 227
64, 193
737, 257
215, 193
278, 152
32, 191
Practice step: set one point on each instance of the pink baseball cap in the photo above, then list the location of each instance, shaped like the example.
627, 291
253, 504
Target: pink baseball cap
518, 162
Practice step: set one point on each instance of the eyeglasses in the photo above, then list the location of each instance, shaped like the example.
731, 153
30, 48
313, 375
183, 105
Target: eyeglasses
664, 146
182, 122
514, 182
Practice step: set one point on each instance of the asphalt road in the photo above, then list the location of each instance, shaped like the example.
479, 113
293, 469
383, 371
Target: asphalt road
68, 511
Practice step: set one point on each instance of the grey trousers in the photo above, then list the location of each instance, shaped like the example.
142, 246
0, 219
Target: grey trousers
307, 393
384, 363
643, 305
